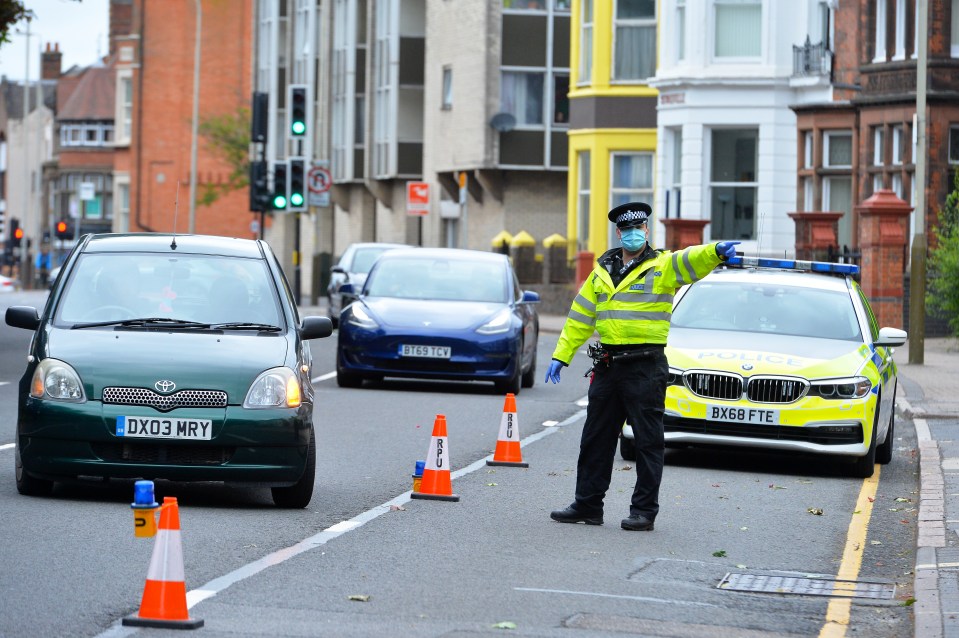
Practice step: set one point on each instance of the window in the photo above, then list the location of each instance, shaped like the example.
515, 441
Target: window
897, 145
897, 185
680, 30
733, 185
880, 41
807, 195
900, 52
837, 151
807, 149
447, 88
524, 5
954, 30
837, 198
674, 200
562, 5
561, 99
582, 201
122, 188
738, 28
634, 36
954, 144
124, 115
522, 95
631, 181
586, 43
878, 136
877, 182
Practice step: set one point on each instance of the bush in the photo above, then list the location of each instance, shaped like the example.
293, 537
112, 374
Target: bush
942, 292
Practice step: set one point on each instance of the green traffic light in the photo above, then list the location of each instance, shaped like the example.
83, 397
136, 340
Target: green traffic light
279, 202
299, 127
296, 199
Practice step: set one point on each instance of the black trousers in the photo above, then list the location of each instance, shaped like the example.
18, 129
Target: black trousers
633, 390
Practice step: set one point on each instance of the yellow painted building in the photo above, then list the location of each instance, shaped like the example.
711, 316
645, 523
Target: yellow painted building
612, 134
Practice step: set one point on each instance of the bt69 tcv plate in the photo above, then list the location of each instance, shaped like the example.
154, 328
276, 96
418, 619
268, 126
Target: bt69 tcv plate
153, 428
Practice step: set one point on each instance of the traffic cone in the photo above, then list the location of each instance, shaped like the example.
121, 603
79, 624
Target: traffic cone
164, 595
507, 445
436, 483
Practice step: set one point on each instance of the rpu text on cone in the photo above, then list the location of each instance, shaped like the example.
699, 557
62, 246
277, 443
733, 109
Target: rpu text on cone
507, 443
164, 594
437, 480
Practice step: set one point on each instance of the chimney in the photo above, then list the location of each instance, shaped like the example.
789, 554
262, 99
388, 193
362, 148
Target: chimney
50, 62
121, 22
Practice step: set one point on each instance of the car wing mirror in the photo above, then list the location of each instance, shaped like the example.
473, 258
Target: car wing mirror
316, 328
347, 289
891, 337
23, 317
530, 297
339, 270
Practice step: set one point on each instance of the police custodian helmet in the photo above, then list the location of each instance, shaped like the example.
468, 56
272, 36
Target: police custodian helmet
630, 214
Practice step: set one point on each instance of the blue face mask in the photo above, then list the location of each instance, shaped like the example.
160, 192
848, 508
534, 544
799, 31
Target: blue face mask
633, 239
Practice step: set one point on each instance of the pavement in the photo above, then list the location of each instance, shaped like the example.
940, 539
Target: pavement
928, 395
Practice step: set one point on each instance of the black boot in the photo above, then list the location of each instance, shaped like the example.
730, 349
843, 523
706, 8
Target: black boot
572, 515
637, 523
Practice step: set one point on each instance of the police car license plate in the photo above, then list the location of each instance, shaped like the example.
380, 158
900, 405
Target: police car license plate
432, 352
732, 414
151, 428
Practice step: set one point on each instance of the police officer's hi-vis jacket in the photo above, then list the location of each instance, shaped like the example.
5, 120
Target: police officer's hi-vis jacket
638, 310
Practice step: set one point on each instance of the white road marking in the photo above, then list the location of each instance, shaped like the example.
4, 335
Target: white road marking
4, 383
601, 595
7, 446
323, 377
217, 585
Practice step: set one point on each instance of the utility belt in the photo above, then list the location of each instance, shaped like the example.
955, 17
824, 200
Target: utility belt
606, 355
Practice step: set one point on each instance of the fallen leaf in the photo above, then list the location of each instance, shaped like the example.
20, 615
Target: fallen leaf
505, 625
858, 512
360, 598
815, 510
776, 487
744, 528
902, 500
908, 602
626, 468
804, 481
875, 542
904, 521
720, 554
716, 485
871, 499
492, 484
895, 509
397, 508
740, 567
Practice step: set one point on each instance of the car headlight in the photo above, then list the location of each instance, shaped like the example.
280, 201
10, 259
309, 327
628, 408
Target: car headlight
849, 388
275, 388
56, 380
360, 318
675, 376
499, 323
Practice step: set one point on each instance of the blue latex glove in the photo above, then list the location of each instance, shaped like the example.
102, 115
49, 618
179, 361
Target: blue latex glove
553, 373
726, 249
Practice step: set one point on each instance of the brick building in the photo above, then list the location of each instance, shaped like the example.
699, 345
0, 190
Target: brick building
863, 141
154, 45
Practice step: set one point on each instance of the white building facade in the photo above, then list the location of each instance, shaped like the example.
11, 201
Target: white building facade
728, 72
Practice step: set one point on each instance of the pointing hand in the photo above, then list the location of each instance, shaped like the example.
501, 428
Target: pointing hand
726, 249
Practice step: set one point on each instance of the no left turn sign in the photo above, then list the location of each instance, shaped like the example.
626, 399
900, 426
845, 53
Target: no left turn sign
319, 180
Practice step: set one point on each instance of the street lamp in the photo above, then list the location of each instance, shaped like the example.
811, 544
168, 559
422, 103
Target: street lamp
196, 113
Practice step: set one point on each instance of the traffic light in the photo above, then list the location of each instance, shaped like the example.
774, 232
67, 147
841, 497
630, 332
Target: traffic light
297, 106
261, 113
16, 233
260, 196
63, 231
297, 183
280, 186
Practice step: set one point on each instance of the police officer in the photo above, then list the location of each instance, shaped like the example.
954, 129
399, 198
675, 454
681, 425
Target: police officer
628, 300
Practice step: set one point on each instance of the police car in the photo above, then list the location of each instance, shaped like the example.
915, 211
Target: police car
785, 355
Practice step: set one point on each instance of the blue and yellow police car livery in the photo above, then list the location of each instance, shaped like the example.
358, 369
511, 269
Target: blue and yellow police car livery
794, 362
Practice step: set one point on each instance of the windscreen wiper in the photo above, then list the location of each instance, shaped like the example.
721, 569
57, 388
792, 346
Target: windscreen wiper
165, 322
246, 325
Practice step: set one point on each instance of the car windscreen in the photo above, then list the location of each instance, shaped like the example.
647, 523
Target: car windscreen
439, 278
364, 258
201, 288
768, 309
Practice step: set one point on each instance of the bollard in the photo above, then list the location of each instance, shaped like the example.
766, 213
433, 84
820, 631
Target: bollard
523, 252
557, 266
500, 243
144, 510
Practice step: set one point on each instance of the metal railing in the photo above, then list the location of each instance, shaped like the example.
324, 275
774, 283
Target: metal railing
811, 59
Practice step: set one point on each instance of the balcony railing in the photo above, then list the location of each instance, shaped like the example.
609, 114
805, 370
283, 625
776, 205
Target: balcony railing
811, 59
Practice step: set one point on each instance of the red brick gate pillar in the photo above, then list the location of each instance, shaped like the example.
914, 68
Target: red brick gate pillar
815, 233
883, 229
681, 233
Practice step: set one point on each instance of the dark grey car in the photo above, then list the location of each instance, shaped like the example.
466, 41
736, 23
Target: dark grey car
352, 268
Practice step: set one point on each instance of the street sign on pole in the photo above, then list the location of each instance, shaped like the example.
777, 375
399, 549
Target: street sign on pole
417, 198
318, 183
87, 191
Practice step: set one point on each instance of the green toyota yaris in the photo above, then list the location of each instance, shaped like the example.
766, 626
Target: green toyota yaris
169, 357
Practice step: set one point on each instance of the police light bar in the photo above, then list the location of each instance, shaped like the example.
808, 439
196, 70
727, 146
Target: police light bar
794, 264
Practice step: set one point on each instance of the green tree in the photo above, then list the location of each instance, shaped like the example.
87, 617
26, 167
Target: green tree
11, 12
227, 136
942, 294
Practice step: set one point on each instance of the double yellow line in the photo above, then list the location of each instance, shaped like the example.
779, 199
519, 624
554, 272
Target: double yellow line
837, 613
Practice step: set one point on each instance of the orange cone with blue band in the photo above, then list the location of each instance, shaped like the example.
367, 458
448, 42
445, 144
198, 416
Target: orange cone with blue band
507, 444
437, 480
164, 595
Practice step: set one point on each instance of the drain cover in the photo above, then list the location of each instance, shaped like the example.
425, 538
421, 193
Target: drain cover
808, 586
